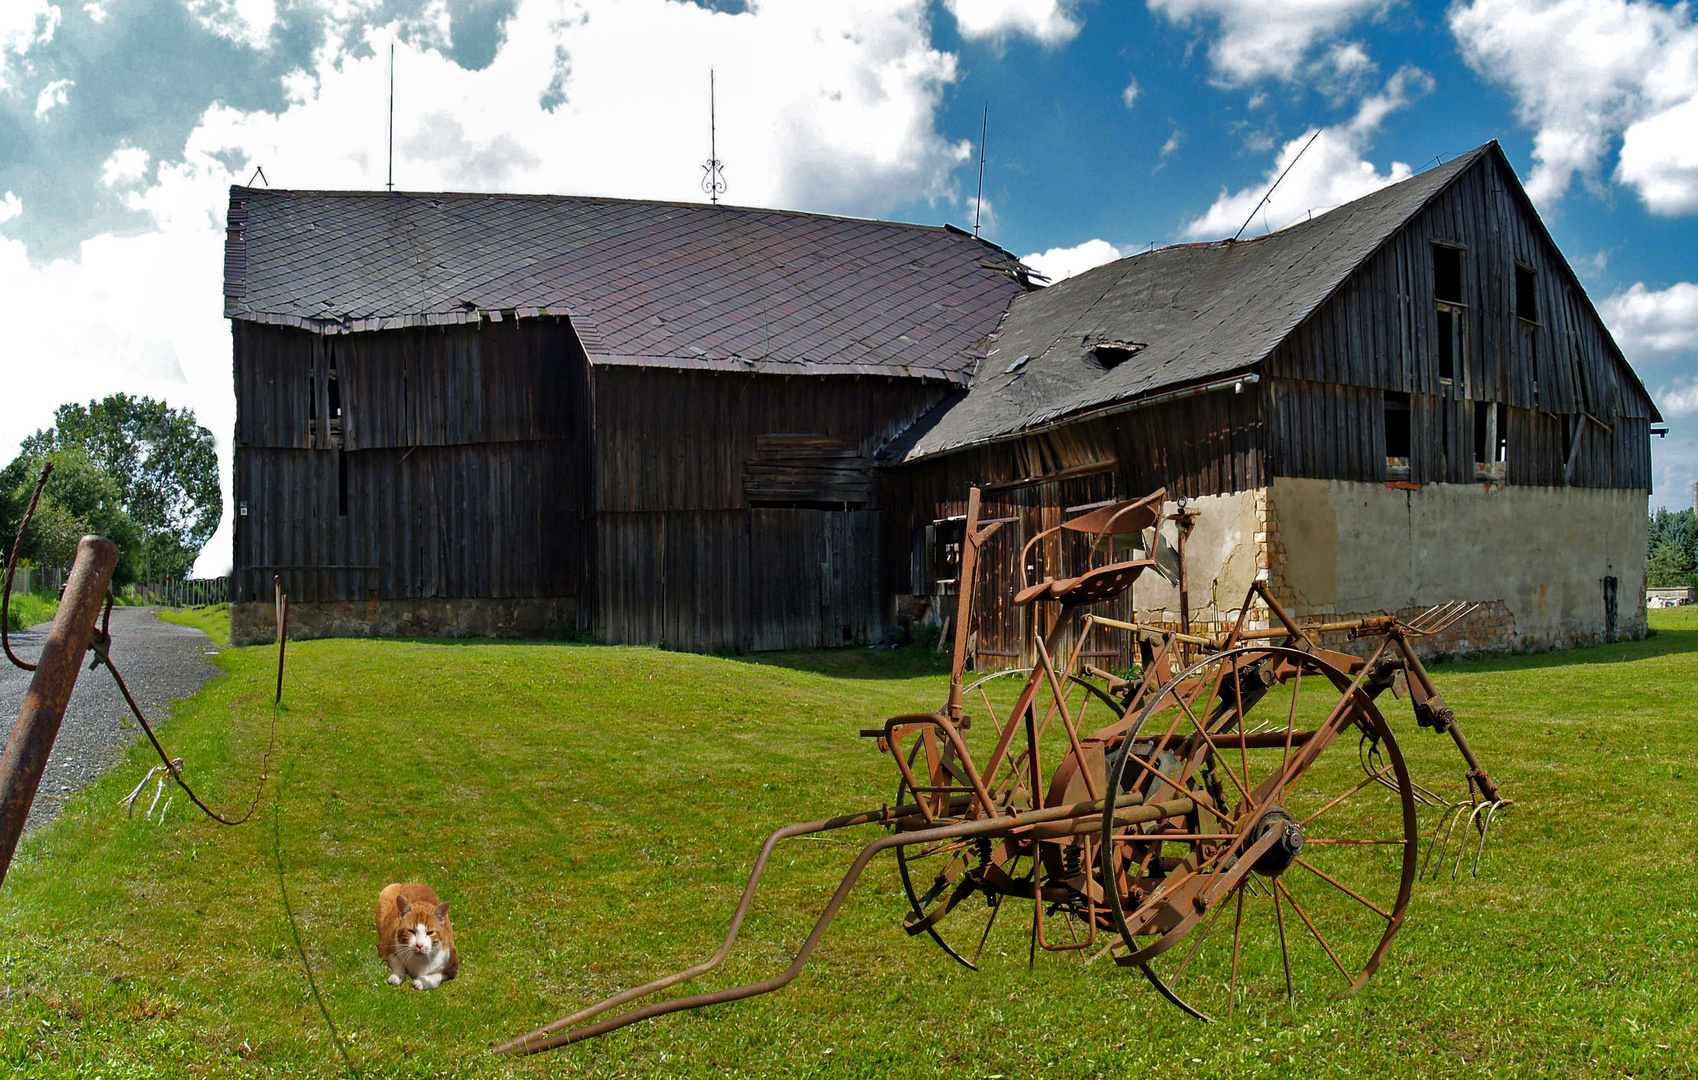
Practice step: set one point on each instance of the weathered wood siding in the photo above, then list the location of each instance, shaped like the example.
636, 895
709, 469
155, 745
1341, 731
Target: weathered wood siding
460, 466
1203, 445
1326, 383
689, 557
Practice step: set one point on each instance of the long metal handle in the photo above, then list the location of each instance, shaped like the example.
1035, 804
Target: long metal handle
43, 708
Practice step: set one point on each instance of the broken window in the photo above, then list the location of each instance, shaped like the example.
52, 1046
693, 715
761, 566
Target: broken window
947, 538
1452, 321
1526, 295
1447, 273
1447, 344
1397, 429
1491, 439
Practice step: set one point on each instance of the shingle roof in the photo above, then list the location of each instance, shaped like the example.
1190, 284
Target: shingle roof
1201, 311
648, 283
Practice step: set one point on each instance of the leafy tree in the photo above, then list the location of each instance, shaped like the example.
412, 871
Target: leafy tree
1672, 558
163, 463
80, 498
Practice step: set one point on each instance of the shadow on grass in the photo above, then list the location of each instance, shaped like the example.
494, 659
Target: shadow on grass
854, 662
1668, 642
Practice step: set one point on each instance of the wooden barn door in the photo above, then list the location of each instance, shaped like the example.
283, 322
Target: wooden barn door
813, 577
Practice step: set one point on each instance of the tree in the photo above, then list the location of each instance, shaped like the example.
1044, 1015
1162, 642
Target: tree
80, 498
163, 463
1672, 540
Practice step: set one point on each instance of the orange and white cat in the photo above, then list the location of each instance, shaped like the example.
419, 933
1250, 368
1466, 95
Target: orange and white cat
414, 936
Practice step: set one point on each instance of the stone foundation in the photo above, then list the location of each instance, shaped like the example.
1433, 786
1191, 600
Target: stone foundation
255, 623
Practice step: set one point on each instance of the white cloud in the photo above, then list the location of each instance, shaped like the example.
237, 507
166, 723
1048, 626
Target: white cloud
1130, 94
1329, 173
1048, 22
1654, 324
53, 94
246, 22
24, 24
1058, 264
1262, 38
96, 13
1681, 401
126, 165
821, 107
1585, 72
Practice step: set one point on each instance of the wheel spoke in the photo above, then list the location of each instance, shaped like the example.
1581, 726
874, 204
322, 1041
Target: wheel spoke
1290, 726
1284, 953
1346, 890
1372, 777
1179, 972
1279, 886
1237, 925
1249, 802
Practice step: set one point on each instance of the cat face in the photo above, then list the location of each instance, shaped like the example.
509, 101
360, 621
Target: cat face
420, 927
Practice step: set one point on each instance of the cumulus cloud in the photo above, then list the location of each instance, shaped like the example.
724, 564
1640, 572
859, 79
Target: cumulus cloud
1586, 72
1048, 22
1058, 264
1130, 95
54, 93
1679, 401
1332, 171
24, 24
829, 108
1654, 324
248, 22
127, 165
1258, 39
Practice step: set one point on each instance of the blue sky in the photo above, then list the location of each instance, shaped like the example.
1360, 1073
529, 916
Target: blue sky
1113, 126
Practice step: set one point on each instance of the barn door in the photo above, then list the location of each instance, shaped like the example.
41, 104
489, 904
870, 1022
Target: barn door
813, 578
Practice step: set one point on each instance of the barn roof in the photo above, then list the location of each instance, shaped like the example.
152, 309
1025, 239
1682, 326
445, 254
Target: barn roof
644, 283
1187, 314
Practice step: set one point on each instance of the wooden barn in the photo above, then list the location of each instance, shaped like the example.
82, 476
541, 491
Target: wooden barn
538, 416
1403, 402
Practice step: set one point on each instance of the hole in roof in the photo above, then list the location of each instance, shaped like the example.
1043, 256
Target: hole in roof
1111, 354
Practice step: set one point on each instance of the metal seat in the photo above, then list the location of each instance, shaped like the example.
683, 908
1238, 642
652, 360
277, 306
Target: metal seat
1103, 582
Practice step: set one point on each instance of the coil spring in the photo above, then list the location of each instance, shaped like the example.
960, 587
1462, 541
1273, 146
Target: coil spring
983, 845
1072, 861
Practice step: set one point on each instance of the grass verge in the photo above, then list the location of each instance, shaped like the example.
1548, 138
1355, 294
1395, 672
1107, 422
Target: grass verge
211, 619
28, 609
591, 812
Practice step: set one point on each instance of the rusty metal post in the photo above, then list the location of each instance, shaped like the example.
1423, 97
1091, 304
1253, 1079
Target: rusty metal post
43, 708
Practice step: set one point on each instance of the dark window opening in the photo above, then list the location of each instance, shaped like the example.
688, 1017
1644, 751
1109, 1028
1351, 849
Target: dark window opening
1447, 273
333, 392
1397, 433
1111, 354
1526, 296
946, 550
341, 483
1447, 344
312, 401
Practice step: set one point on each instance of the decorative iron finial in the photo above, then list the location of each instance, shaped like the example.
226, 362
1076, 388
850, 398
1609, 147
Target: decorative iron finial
713, 169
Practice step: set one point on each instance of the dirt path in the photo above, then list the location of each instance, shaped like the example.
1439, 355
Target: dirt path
161, 663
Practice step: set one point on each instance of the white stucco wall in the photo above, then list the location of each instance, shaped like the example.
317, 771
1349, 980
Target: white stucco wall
1537, 555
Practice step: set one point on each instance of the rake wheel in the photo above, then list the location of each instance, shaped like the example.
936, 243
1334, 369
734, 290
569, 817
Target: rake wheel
1293, 873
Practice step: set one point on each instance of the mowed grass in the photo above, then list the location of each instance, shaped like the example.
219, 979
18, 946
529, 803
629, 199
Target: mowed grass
213, 620
592, 813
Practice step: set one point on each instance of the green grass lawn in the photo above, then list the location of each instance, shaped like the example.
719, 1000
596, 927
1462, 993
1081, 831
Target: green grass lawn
213, 620
592, 812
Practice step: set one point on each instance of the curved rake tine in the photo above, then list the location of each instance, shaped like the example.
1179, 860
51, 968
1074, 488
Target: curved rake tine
1462, 846
1452, 812
1484, 826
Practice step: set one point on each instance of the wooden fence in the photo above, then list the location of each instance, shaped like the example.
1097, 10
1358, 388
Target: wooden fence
190, 592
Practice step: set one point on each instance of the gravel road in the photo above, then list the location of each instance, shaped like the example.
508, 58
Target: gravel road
161, 662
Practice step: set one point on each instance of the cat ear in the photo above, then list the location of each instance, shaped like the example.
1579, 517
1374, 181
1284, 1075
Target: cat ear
402, 904
442, 911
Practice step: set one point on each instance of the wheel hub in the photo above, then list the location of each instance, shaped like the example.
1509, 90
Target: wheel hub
1278, 858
